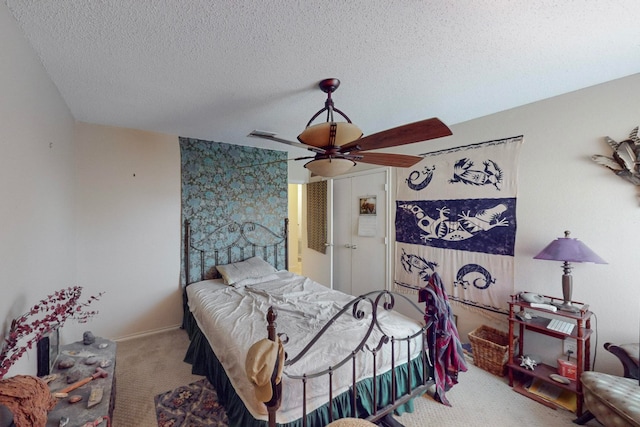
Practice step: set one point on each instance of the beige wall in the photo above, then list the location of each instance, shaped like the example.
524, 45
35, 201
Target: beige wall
37, 220
128, 229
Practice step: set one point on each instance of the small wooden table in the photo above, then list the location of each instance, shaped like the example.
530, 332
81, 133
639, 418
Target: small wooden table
581, 334
78, 413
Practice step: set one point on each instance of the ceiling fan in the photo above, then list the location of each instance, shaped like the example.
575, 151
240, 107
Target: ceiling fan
340, 145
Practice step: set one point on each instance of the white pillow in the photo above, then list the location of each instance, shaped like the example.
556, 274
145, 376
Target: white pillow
214, 284
249, 268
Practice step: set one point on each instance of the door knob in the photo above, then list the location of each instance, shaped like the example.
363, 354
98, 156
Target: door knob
348, 246
354, 246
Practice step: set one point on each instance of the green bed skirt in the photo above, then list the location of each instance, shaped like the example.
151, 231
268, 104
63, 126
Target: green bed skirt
204, 362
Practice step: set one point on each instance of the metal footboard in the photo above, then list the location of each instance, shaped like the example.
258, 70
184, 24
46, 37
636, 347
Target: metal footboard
373, 303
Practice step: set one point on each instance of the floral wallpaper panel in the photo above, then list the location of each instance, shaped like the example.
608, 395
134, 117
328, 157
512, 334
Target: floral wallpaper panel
227, 184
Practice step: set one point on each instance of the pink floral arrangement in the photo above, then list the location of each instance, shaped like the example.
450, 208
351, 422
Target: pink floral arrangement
50, 313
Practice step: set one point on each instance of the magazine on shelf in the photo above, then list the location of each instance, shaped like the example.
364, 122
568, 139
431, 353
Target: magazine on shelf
559, 396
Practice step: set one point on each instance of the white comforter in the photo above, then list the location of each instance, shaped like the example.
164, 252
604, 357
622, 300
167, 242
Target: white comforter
234, 317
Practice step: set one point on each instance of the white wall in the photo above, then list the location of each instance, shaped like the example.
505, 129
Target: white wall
297, 173
561, 188
37, 234
128, 200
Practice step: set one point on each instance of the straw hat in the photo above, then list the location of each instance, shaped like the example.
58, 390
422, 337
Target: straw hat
260, 366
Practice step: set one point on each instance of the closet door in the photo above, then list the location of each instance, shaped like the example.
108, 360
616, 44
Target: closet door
342, 225
360, 238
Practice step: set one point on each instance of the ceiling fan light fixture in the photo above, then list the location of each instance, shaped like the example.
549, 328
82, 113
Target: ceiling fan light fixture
322, 134
330, 167
339, 145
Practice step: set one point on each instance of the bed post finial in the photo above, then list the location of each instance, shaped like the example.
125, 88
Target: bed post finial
272, 315
187, 244
286, 243
274, 403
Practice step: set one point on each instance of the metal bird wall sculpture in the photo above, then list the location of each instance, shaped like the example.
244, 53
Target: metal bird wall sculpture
624, 162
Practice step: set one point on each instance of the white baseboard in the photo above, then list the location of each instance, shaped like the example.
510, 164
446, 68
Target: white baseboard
147, 333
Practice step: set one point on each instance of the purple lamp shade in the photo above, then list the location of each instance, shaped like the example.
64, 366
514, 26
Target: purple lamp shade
569, 249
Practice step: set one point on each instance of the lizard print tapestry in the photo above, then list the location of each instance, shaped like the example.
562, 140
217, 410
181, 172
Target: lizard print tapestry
456, 214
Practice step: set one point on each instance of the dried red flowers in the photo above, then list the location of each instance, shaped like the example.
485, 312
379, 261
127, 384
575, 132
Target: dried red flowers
53, 311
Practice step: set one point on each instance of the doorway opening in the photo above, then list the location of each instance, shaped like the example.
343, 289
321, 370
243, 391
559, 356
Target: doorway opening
295, 228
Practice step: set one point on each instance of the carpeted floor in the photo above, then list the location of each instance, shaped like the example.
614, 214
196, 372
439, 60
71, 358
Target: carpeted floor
152, 365
146, 367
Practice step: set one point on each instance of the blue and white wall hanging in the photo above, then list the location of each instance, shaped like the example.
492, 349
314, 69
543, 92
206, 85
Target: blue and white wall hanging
456, 214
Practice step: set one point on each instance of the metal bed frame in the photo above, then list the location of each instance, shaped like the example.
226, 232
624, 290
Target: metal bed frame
244, 246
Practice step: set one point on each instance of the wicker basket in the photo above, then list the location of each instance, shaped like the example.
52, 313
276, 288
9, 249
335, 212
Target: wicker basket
490, 349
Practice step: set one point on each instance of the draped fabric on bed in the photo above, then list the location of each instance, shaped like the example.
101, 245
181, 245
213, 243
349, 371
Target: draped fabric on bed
448, 359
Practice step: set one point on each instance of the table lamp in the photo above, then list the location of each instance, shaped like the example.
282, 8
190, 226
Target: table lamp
568, 250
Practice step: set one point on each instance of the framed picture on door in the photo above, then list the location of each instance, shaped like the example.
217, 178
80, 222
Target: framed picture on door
368, 205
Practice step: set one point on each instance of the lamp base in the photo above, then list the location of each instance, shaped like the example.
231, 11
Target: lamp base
567, 289
567, 306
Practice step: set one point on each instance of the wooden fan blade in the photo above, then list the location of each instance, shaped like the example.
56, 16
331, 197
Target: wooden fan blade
407, 134
387, 159
272, 137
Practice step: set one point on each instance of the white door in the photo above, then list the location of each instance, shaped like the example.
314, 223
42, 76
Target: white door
360, 256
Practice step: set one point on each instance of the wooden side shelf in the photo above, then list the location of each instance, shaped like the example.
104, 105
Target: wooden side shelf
519, 388
581, 333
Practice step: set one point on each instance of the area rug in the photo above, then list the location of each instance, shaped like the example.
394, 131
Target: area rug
193, 405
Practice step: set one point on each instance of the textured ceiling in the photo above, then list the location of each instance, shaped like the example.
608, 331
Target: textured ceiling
218, 69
